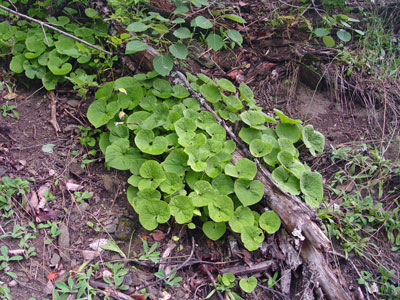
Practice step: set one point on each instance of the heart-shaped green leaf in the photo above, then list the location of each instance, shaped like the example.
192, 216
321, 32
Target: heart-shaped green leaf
343, 35
226, 85
135, 46
314, 140
171, 184
249, 192
210, 92
153, 172
286, 181
120, 155
181, 208
100, 112
248, 285
163, 64
242, 217
221, 208
289, 131
284, 118
270, 222
256, 119
176, 162
312, 188
179, 50
16, 63
152, 212
249, 134
244, 168
215, 41
223, 184
246, 93
182, 33
201, 22
147, 143
137, 27
252, 237
214, 230
260, 148
58, 67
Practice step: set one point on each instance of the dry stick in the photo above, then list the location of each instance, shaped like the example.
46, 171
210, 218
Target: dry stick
44, 24
110, 292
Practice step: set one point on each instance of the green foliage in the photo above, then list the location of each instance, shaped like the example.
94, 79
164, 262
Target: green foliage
179, 157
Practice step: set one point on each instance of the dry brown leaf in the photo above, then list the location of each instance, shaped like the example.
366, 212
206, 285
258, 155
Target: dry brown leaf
73, 187
40, 194
52, 276
157, 235
34, 202
10, 96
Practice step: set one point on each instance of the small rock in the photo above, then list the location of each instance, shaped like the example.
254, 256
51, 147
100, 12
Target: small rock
12, 283
95, 245
76, 169
110, 184
124, 229
111, 228
64, 242
89, 254
73, 103
83, 207
55, 260
51, 172
2, 171
33, 172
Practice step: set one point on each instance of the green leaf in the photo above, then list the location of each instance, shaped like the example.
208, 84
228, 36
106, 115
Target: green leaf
233, 103
249, 134
248, 285
163, 64
242, 217
137, 27
178, 50
152, 212
215, 41
179, 91
312, 188
221, 209
112, 246
289, 131
287, 160
343, 35
135, 46
270, 222
181, 207
201, 22
223, 184
182, 33
226, 85
147, 143
286, 181
320, 32
234, 18
260, 148
210, 92
153, 175
16, 64
284, 118
62, 20
50, 81
100, 112
244, 168
246, 93
35, 46
119, 132
235, 36
328, 41
249, 192
256, 119
91, 13
314, 140
120, 155
214, 230
57, 66
160, 28
171, 184
252, 237
176, 162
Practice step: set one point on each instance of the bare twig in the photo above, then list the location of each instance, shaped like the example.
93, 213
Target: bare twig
53, 113
44, 24
109, 291
241, 270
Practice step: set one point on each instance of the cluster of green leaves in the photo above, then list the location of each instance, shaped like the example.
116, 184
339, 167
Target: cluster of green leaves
341, 24
52, 57
226, 282
152, 27
180, 159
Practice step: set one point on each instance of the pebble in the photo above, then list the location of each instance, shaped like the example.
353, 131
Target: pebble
2, 171
110, 184
124, 229
12, 283
55, 260
73, 103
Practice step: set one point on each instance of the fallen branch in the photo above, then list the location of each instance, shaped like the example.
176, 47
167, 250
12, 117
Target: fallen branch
44, 24
241, 270
111, 292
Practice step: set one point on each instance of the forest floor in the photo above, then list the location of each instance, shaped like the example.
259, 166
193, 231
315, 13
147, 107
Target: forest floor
71, 227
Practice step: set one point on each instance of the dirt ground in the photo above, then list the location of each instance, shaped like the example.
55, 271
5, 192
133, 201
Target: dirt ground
107, 212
